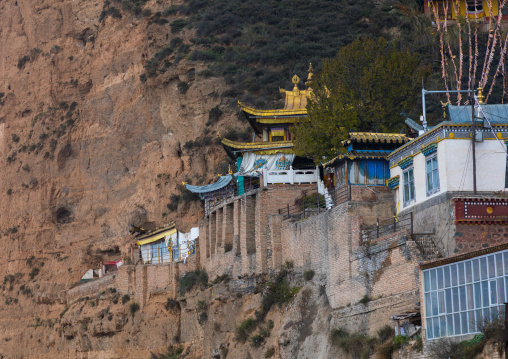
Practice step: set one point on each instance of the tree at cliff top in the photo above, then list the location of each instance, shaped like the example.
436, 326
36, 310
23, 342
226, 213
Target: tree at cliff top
364, 89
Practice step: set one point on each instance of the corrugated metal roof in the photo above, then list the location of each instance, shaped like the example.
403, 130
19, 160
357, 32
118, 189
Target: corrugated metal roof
495, 113
221, 183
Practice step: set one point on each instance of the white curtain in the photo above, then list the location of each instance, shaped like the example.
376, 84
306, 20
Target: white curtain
253, 164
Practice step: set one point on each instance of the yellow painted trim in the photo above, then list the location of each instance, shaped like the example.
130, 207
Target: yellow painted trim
451, 135
279, 112
436, 129
273, 152
254, 145
156, 237
278, 120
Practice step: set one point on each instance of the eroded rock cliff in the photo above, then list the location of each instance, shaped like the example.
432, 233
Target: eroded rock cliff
87, 149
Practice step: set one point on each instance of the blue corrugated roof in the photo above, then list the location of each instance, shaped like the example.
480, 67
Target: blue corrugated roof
221, 183
495, 113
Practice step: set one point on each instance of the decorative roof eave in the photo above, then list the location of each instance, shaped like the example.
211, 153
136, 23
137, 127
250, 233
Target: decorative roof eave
157, 234
405, 162
393, 182
357, 155
430, 148
374, 137
265, 113
418, 141
255, 145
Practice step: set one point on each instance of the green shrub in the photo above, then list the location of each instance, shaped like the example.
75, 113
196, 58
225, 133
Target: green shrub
33, 273
278, 292
177, 25
15, 138
214, 115
243, 330
133, 307
92, 303
126, 298
357, 344
308, 274
257, 340
365, 300
270, 352
225, 278
173, 352
182, 87
228, 247
189, 280
172, 304
22, 61
9, 191
401, 340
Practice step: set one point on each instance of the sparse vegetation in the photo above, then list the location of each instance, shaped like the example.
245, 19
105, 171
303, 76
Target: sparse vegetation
278, 292
126, 298
133, 307
34, 272
197, 278
172, 304
182, 87
365, 300
202, 311
173, 352
270, 352
225, 278
244, 330
357, 344
177, 25
308, 274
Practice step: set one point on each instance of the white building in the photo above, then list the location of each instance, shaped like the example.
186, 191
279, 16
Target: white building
165, 245
441, 160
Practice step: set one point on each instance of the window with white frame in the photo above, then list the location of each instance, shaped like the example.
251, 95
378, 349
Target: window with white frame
409, 186
432, 175
458, 296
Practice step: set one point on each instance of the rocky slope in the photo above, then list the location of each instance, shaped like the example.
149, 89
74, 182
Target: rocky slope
87, 149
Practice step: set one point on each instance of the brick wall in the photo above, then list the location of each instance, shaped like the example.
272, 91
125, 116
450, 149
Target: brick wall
245, 223
139, 281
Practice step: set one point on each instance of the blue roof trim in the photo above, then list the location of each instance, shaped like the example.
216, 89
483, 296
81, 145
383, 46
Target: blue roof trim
221, 183
495, 113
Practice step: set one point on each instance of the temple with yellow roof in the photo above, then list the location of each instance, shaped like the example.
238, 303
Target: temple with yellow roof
272, 148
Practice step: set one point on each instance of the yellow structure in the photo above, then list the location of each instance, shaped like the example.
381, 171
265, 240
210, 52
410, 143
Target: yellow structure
473, 9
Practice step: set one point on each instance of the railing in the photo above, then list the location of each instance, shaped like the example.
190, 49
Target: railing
149, 256
219, 197
316, 204
392, 225
290, 176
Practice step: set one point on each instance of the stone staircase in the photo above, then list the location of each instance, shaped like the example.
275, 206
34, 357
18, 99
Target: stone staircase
428, 248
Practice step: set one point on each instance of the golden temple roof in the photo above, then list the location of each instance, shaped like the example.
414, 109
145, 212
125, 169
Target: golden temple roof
372, 137
358, 155
254, 145
294, 104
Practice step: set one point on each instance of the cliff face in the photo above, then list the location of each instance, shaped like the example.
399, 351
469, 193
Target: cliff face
87, 149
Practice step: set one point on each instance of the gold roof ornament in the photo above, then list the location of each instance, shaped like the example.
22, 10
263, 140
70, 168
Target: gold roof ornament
310, 76
184, 183
295, 80
295, 102
480, 95
230, 171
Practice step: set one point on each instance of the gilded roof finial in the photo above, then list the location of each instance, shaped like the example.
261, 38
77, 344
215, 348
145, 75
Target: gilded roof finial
295, 80
480, 94
311, 75
230, 171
